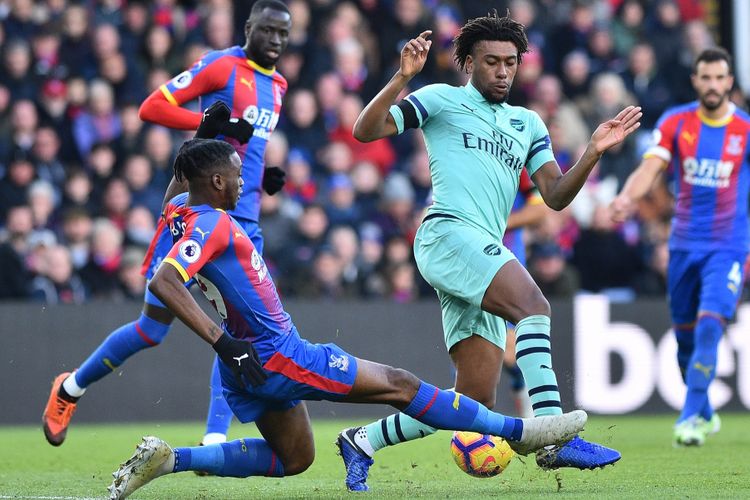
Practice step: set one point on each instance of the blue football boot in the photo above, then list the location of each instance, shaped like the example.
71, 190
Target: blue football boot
356, 461
577, 453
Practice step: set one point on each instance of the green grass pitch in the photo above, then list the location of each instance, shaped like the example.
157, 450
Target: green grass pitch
650, 467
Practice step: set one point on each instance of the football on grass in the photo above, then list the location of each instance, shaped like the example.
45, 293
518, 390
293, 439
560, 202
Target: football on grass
480, 455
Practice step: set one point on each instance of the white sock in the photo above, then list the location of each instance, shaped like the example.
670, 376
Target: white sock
72, 388
360, 438
214, 438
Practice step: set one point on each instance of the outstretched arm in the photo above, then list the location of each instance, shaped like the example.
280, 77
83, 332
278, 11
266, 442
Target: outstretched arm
558, 190
375, 122
638, 184
157, 109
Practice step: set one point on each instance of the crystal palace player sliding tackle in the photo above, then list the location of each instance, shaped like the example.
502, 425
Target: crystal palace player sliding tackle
706, 142
478, 146
245, 78
266, 368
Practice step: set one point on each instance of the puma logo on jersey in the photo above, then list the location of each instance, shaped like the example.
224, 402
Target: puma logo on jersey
689, 138
705, 370
246, 82
240, 358
202, 232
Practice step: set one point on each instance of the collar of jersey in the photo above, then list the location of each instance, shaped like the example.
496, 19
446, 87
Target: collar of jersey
720, 122
261, 69
476, 96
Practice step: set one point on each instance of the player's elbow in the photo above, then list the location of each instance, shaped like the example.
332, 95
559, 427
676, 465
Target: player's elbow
363, 133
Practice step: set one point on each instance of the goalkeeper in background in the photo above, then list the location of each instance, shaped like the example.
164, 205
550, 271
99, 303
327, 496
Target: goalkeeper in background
246, 79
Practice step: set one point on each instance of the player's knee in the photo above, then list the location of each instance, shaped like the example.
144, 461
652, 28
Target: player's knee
404, 384
488, 399
536, 305
299, 461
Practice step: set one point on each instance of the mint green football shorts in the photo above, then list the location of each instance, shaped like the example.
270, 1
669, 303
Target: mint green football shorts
460, 261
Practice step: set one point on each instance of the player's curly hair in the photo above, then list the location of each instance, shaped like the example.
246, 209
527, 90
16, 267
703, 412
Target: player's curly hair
490, 27
201, 158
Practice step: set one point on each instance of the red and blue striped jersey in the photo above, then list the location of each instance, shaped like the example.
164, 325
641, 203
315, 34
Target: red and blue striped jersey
527, 194
251, 92
211, 247
711, 164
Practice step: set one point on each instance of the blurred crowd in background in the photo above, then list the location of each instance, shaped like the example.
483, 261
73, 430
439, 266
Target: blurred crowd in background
82, 178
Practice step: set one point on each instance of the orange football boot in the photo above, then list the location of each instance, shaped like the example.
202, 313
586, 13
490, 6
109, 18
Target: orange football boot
57, 413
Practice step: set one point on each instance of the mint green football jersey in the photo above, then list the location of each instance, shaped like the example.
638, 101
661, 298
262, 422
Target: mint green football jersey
476, 150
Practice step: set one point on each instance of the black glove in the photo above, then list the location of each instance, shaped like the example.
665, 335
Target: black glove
217, 120
214, 118
238, 128
273, 180
240, 356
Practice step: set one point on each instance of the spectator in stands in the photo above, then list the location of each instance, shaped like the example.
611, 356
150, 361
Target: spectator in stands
329, 93
158, 51
43, 202
628, 26
569, 37
278, 223
100, 273
139, 228
395, 217
344, 242
340, 205
379, 152
20, 139
371, 282
17, 75
159, 149
608, 94
547, 265
101, 163
402, 283
132, 282
99, 122
303, 127
367, 183
75, 50
78, 192
15, 277
58, 282
116, 202
14, 185
77, 227
45, 156
137, 173
643, 79
296, 260
553, 104
300, 185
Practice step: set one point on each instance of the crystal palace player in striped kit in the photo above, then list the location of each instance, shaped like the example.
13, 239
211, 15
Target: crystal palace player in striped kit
706, 144
214, 249
245, 78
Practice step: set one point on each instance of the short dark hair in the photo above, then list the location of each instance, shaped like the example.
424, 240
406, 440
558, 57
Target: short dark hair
490, 27
258, 7
201, 158
712, 55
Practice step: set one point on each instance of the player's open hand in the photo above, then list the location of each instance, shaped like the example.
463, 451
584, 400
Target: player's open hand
414, 54
621, 208
240, 356
616, 130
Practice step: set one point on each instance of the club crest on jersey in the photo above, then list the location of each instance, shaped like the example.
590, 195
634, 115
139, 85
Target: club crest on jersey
493, 249
182, 80
190, 251
517, 124
340, 362
734, 145
260, 267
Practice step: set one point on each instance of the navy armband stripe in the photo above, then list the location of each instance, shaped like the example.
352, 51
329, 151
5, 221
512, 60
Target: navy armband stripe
420, 107
410, 114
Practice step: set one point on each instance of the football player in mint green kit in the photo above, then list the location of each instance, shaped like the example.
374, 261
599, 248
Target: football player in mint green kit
478, 145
